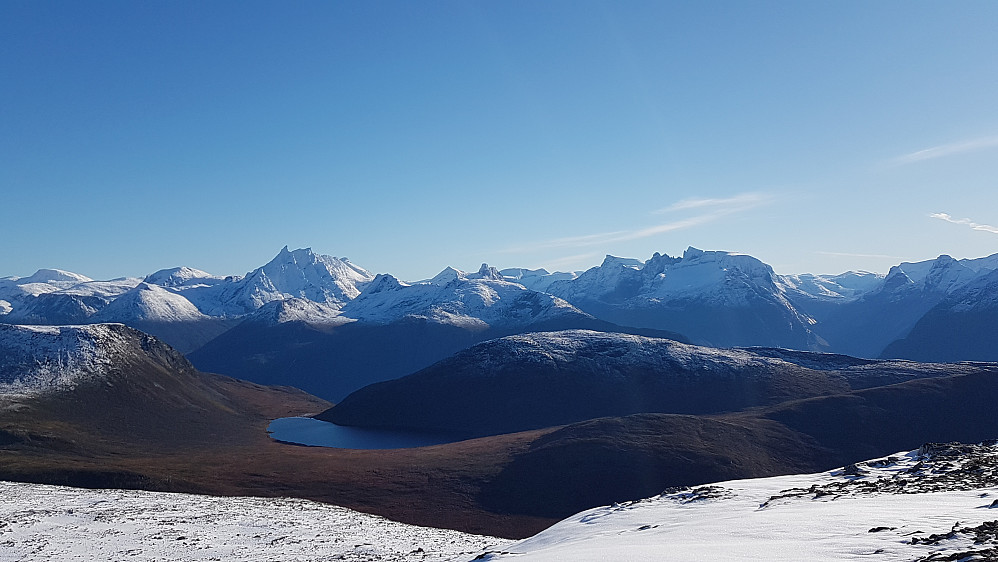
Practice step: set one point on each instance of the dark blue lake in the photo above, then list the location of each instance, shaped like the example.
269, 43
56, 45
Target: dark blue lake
317, 433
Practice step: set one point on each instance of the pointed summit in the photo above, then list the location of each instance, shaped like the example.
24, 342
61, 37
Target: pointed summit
384, 282
446, 276
297, 273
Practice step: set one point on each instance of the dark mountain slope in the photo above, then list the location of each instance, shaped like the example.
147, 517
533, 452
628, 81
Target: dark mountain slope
868, 422
608, 460
332, 361
107, 383
107, 406
543, 379
963, 327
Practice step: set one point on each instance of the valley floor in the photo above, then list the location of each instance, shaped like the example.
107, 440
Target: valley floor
41, 522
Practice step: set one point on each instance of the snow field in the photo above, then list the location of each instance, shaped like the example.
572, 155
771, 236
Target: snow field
39, 522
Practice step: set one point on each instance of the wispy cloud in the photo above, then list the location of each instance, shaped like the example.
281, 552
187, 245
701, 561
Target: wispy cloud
733, 204
710, 210
852, 255
946, 150
966, 222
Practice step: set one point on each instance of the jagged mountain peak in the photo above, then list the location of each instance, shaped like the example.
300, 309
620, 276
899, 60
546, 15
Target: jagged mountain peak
453, 297
297, 273
488, 272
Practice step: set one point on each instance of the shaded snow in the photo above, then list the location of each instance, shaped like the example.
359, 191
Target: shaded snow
299, 310
845, 286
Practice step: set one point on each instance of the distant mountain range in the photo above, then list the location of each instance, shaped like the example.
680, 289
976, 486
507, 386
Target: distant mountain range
330, 326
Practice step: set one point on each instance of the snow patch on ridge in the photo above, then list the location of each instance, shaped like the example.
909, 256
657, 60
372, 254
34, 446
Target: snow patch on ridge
37, 359
617, 351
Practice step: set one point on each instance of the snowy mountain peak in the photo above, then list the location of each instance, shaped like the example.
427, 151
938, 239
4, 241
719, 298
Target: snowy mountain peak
849, 285
515, 273
384, 282
148, 302
180, 277
486, 272
36, 359
614, 262
896, 277
448, 275
304, 274
298, 310
987, 263
56, 275
692, 253
535, 279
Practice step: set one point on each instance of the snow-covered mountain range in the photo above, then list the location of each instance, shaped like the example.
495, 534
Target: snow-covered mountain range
714, 298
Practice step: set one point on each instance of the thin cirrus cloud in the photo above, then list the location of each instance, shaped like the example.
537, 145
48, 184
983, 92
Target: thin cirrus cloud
966, 222
853, 255
709, 210
737, 203
946, 150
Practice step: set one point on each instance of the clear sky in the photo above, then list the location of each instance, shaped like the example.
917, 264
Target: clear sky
408, 136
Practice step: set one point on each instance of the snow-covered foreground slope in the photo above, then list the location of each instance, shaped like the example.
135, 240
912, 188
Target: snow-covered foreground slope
39, 522
937, 503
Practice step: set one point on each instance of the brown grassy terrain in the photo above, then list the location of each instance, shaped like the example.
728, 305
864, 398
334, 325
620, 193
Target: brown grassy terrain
158, 424
222, 448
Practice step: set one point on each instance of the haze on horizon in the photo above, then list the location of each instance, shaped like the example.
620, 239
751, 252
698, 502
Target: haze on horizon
411, 136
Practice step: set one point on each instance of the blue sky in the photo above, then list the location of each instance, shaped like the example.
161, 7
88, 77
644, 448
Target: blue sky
817, 136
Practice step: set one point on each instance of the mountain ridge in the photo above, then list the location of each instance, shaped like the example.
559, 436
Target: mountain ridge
716, 298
